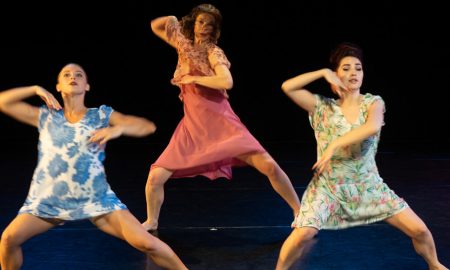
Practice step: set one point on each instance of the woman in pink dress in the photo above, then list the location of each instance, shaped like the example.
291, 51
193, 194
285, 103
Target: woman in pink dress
210, 138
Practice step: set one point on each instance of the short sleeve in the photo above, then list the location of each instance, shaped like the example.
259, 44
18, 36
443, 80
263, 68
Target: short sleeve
322, 104
368, 100
43, 115
216, 56
173, 31
373, 98
105, 112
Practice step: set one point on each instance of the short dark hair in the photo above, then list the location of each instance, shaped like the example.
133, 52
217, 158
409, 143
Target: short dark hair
342, 50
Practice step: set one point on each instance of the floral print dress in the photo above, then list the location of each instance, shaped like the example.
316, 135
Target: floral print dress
351, 192
210, 136
69, 182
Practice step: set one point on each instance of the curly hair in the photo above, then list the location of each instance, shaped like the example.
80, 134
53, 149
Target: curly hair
187, 22
343, 50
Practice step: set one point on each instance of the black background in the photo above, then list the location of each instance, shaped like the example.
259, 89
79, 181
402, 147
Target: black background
406, 60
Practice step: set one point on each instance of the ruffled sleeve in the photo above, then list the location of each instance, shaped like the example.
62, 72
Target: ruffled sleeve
216, 56
368, 100
173, 32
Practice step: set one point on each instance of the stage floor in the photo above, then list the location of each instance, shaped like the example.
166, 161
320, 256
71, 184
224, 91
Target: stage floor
238, 224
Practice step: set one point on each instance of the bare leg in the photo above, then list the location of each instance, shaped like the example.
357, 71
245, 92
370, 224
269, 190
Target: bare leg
122, 224
280, 182
22, 228
294, 246
154, 195
408, 222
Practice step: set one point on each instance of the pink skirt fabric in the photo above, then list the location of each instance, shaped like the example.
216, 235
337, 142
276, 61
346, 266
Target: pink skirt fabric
208, 138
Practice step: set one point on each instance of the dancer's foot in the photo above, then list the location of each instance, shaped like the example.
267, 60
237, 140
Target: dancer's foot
150, 226
439, 267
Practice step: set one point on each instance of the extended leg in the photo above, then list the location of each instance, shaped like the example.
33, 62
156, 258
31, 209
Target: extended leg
154, 195
22, 228
280, 182
122, 224
408, 222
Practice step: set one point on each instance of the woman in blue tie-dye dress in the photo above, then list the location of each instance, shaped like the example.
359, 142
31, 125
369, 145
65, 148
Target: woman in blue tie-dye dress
69, 182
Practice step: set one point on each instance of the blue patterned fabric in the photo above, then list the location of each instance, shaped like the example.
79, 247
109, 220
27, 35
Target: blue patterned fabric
69, 182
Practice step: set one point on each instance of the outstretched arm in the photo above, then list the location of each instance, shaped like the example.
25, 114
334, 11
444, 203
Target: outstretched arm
370, 127
158, 27
294, 87
122, 124
11, 103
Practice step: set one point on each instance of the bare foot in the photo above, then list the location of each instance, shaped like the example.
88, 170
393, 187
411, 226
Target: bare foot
150, 226
439, 267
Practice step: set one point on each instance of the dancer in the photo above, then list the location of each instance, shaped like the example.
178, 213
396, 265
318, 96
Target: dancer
69, 182
210, 138
346, 189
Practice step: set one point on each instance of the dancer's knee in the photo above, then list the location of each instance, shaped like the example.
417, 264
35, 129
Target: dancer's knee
9, 240
155, 181
270, 168
302, 236
420, 232
147, 245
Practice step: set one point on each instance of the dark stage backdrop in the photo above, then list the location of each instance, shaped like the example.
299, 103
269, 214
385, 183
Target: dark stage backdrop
406, 50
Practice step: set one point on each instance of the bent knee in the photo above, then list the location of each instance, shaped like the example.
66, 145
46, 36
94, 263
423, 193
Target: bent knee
270, 168
9, 239
303, 236
420, 232
154, 180
149, 245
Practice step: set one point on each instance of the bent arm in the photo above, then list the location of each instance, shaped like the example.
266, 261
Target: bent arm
221, 80
11, 103
158, 27
131, 125
294, 87
122, 124
370, 127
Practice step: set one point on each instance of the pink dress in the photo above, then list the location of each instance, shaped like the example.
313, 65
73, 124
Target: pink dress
210, 135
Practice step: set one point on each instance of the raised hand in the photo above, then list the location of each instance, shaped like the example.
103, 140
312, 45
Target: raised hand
48, 98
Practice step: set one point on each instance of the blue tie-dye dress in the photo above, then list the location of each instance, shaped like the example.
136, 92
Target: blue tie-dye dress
69, 182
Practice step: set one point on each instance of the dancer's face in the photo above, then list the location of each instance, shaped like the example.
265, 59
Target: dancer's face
350, 71
204, 27
72, 80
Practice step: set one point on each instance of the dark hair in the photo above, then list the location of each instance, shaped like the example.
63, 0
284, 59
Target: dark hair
75, 64
187, 22
343, 50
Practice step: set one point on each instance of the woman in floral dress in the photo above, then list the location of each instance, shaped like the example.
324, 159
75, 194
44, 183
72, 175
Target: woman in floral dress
69, 182
346, 189
210, 138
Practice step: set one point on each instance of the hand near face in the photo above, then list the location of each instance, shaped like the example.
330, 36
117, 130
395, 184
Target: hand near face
337, 86
48, 98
